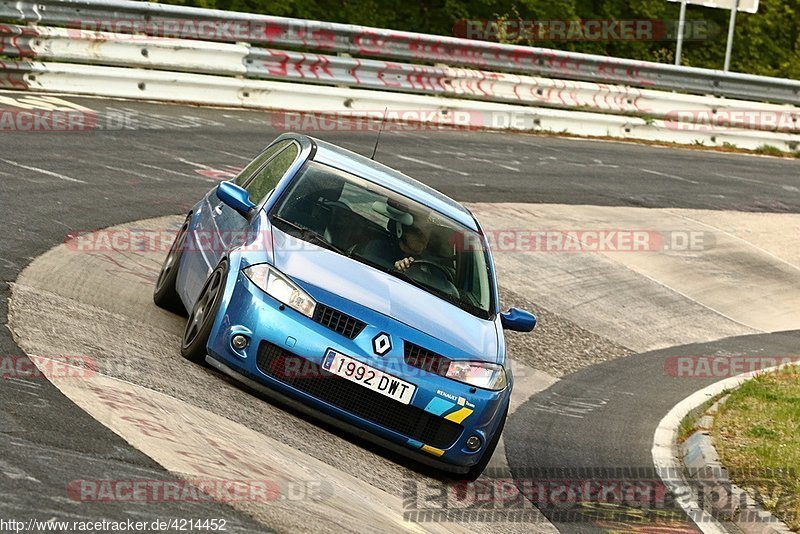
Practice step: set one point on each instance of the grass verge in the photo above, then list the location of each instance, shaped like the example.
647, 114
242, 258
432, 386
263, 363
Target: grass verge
757, 435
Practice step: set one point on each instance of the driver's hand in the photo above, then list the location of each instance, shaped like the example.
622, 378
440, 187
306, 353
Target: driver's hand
402, 265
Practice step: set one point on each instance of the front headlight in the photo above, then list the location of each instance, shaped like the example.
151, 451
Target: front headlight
478, 374
278, 286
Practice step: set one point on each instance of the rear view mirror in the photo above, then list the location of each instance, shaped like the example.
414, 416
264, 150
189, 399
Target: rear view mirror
518, 320
235, 197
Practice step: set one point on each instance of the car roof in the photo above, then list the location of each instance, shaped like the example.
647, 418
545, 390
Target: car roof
378, 173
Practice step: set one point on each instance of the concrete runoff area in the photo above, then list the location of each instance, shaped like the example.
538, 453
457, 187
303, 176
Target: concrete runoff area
168, 156
694, 276
97, 302
73, 302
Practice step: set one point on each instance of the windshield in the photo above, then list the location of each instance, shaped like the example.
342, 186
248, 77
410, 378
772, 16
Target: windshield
390, 232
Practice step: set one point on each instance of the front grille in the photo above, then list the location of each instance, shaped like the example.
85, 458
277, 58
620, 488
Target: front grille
310, 378
425, 359
337, 321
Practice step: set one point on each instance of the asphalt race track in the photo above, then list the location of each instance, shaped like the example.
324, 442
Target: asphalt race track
595, 377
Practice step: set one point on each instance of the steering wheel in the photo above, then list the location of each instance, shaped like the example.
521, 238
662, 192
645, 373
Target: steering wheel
425, 263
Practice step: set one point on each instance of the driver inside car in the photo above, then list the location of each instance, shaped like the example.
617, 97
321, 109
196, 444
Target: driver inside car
400, 253
410, 247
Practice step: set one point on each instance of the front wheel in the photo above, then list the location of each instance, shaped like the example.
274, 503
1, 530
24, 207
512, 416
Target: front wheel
201, 319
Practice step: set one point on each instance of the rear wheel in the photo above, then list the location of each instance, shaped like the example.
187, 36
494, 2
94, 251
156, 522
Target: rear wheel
165, 294
476, 470
201, 319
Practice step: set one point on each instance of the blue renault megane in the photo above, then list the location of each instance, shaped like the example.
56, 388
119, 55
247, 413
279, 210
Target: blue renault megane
352, 292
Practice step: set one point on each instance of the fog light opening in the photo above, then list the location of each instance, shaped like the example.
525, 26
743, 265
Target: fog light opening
239, 342
473, 443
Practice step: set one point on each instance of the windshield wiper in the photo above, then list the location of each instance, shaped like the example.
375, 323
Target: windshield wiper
310, 235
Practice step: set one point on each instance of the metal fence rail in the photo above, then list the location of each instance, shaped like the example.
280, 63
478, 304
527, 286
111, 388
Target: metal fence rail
178, 54
125, 16
308, 107
110, 49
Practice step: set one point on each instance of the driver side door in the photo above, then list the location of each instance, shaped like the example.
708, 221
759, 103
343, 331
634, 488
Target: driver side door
231, 226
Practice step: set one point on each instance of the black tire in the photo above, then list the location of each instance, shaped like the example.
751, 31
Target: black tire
476, 470
165, 295
201, 319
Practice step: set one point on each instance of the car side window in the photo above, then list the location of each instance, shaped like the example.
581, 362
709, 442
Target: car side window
246, 173
267, 178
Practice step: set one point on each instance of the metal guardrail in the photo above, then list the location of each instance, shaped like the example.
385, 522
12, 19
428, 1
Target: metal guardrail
190, 69
306, 107
127, 16
518, 89
109, 49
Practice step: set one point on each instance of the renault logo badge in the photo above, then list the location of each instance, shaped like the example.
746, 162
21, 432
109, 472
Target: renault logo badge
382, 344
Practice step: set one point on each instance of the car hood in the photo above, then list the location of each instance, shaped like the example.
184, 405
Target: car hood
318, 267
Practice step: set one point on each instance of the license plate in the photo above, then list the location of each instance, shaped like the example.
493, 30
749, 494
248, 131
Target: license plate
369, 377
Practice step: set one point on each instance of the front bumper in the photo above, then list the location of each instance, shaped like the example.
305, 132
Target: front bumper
433, 429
